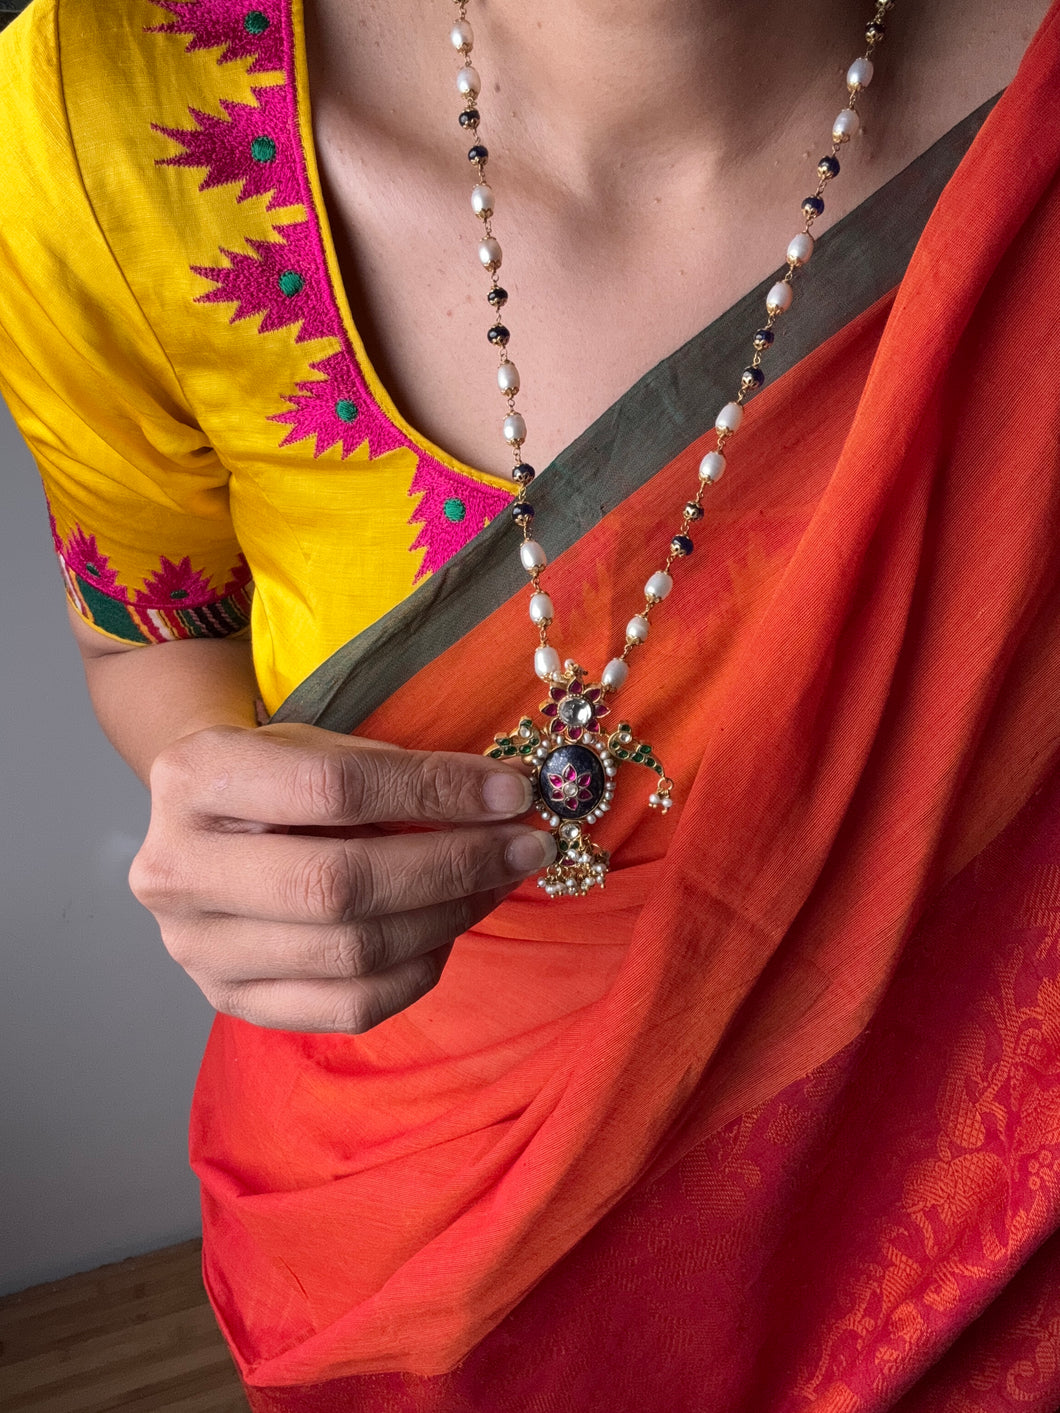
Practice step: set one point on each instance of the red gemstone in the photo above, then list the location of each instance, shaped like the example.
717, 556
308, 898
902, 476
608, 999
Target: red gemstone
549, 709
557, 693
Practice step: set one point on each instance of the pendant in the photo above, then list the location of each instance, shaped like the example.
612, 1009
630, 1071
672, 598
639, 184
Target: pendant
573, 768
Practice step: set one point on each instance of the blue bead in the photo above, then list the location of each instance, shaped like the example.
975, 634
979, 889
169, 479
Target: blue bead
681, 544
522, 510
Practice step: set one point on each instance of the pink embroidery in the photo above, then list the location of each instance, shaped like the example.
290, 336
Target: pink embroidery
81, 555
252, 145
280, 280
287, 280
176, 583
231, 23
442, 534
338, 408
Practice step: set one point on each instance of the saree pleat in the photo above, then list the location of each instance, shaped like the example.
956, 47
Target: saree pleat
778, 1112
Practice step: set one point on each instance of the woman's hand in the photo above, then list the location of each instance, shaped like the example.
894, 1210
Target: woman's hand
337, 928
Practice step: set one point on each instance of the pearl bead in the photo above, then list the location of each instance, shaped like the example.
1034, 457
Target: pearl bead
615, 673
508, 377
533, 557
461, 35
489, 252
659, 585
546, 663
482, 200
515, 428
637, 628
468, 82
845, 126
779, 298
729, 418
859, 75
711, 467
541, 608
800, 249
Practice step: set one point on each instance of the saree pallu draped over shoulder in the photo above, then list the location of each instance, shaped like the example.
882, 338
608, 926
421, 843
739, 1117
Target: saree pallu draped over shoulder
772, 1123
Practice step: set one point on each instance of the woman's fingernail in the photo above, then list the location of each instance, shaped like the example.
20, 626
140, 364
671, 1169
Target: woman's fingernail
506, 792
528, 852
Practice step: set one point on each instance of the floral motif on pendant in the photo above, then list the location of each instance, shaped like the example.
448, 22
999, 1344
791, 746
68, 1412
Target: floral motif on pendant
574, 708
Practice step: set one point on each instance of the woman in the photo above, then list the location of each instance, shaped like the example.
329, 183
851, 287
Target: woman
773, 1121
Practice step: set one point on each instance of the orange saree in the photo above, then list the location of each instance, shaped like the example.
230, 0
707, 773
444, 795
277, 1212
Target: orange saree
772, 1123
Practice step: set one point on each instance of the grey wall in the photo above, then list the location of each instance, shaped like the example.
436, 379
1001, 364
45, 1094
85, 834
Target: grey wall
100, 1032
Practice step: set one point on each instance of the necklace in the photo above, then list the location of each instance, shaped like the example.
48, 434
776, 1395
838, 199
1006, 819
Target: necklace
573, 761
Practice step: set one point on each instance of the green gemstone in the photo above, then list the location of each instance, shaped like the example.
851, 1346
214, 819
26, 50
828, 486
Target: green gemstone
454, 510
345, 410
254, 22
291, 282
263, 149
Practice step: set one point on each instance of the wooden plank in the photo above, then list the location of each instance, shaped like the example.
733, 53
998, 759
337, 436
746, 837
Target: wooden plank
137, 1336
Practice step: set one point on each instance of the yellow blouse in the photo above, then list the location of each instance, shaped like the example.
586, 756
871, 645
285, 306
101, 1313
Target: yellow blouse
177, 348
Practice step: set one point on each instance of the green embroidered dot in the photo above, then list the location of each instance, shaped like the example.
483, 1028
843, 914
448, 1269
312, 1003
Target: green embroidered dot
345, 410
178, 593
454, 510
291, 283
263, 149
254, 22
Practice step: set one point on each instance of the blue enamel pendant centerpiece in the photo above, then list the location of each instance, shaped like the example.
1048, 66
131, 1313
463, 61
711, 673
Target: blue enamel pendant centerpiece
573, 765
571, 781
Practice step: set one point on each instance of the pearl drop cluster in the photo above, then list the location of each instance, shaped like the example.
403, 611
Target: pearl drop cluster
727, 423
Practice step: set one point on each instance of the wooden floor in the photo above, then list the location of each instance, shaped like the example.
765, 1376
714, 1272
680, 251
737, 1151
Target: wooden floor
138, 1337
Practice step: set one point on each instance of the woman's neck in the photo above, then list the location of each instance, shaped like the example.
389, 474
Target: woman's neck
624, 84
